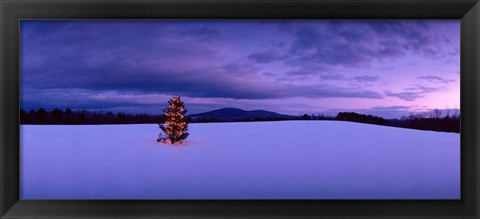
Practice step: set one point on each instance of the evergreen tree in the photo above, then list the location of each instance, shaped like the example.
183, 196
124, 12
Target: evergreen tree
41, 116
175, 126
24, 117
305, 117
56, 116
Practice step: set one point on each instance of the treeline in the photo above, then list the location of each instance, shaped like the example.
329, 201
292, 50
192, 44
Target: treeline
435, 121
68, 116
356, 117
264, 119
423, 121
256, 119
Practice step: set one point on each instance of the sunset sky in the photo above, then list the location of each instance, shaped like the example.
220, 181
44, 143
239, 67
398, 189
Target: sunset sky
382, 67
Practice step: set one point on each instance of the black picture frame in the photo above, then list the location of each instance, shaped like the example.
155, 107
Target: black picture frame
12, 11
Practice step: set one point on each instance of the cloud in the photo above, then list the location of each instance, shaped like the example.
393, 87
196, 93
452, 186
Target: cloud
436, 79
424, 89
408, 96
414, 93
326, 91
229, 82
359, 43
332, 76
136, 102
203, 33
366, 78
300, 72
311, 74
394, 107
265, 56
310, 45
241, 68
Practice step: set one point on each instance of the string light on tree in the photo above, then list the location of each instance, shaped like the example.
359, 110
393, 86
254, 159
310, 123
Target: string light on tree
175, 126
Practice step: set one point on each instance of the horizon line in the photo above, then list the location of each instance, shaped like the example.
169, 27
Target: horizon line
456, 110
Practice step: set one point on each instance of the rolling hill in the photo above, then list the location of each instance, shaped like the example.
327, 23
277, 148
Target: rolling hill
232, 114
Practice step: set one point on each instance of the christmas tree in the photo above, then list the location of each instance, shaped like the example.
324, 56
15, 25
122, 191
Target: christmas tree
176, 125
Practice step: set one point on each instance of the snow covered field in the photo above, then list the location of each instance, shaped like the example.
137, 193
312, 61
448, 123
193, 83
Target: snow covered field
256, 160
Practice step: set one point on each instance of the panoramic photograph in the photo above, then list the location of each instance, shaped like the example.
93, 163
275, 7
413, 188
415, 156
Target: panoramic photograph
240, 109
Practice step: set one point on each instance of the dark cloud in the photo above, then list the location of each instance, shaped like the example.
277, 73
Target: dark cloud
241, 68
332, 76
315, 72
145, 102
210, 82
308, 38
366, 78
311, 45
105, 101
265, 57
75, 99
357, 43
300, 72
203, 33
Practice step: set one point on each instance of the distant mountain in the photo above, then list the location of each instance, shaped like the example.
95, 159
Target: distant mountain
232, 114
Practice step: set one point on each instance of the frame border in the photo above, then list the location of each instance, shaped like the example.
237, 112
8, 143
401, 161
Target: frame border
11, 11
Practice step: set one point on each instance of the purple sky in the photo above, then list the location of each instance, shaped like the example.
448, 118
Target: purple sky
382, 67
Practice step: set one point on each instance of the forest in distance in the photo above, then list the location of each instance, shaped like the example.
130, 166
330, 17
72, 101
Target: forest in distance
436, 120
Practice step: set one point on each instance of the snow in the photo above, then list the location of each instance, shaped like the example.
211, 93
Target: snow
250, 160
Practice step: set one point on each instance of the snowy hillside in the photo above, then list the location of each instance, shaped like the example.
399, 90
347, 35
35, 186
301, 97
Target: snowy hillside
255, 160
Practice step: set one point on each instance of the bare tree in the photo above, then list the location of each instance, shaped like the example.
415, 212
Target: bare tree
438, 113
456, 113
447, 112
